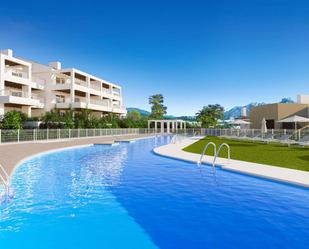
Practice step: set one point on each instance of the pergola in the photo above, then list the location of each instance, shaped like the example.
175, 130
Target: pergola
171, 125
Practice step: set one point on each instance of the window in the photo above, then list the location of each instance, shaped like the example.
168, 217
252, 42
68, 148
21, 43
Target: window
60, 99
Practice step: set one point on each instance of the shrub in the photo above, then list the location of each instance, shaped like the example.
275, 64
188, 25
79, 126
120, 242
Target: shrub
12, 120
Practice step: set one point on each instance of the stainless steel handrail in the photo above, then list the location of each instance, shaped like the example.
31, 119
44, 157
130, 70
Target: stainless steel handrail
228, 152
203, 153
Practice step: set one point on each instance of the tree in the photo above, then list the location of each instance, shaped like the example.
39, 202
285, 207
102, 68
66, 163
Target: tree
52, 120
158, 110
82, 119
12, 120
134, 115
68, 119
209, 115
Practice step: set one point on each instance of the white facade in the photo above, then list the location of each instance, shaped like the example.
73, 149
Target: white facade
34, 88
302, 99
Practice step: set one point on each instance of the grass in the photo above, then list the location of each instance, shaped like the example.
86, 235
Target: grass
293, 157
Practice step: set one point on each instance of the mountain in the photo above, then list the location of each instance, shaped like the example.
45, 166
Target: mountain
235, 112
147, 113
141, 111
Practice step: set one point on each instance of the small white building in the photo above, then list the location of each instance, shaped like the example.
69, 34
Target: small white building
34, 88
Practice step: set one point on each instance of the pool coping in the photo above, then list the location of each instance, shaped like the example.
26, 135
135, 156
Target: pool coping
290, 176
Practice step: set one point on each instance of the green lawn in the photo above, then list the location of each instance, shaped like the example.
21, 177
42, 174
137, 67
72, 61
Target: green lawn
272, 154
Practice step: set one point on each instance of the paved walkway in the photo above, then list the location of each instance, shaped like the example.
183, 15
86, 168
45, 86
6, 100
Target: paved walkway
296, 177
12, 154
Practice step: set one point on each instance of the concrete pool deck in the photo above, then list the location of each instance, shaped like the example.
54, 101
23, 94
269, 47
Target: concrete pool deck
292, 176
12, 154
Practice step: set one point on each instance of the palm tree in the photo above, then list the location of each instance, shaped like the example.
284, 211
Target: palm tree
158, 110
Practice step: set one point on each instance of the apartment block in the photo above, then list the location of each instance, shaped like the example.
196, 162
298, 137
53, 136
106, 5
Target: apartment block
34, 88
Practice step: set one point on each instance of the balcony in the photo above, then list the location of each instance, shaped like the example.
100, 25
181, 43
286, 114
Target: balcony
116, 91
95, 87
14, 93
105, 90
38, 83
62, 81
39, 99
99, 102
9, 71
65, 103
80, 82
119, 109
18, 97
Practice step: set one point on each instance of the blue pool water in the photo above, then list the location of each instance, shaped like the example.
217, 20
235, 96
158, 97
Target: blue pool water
127, 197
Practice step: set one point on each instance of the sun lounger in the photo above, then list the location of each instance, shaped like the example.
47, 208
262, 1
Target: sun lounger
266, 138
304, 141
285, 139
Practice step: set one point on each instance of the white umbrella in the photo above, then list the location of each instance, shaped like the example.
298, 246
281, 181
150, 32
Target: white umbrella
239, 122
294, 119
264, 126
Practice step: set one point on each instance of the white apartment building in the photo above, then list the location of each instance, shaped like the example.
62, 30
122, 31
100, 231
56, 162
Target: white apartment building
34, 89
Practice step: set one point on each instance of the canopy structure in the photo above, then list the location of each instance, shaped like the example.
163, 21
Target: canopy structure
294, 119
170, 124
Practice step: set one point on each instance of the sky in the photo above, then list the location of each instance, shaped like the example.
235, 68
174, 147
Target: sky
195, 53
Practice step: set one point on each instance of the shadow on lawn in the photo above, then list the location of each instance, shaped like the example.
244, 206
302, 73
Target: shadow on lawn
305, 157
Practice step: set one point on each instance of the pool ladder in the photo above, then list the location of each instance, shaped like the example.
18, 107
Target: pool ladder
216, 153
5, 181
177, 138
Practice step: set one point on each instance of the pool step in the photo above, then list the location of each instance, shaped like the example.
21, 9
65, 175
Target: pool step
125, 141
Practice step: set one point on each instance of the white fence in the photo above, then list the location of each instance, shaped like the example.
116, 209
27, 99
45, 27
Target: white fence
24, 135
27, 135
273, 133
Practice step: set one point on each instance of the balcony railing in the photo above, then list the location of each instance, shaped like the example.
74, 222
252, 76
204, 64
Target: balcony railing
105, 90
119, 107
17, 73
81, 82
99, 102
116, 91
15, 93
95, 87
80, 100
37, 97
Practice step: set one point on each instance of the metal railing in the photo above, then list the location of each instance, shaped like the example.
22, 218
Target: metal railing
228, 152
216, 153
35, 135
47, 134
253, 133
204, 151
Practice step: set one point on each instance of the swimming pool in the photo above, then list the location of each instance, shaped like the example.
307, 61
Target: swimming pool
125, 196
